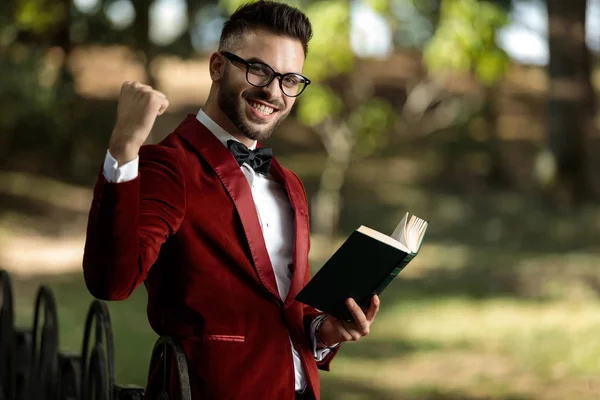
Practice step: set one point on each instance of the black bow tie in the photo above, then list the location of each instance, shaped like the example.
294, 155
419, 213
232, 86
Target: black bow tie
259, 159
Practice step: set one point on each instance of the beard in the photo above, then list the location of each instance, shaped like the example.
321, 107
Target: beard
234, 106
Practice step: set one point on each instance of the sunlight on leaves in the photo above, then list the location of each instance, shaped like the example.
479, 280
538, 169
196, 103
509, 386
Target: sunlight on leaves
330, 53
372, 120
465, 41
229, 6
379, 6
40, 16
491, 66
317, 104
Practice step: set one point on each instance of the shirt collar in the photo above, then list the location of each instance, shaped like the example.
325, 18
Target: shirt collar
216, 130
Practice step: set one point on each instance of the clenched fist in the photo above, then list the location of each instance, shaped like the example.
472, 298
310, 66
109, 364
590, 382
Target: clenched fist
138, 107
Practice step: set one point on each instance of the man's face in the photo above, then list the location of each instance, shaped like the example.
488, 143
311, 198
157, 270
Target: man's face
256, 111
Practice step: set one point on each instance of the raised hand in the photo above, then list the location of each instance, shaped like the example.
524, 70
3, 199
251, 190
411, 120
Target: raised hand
138, 107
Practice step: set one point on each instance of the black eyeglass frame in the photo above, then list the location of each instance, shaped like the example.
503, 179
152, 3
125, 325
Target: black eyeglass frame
234, 58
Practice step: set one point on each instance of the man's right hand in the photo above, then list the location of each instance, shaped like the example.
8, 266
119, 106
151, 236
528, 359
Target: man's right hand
138, 107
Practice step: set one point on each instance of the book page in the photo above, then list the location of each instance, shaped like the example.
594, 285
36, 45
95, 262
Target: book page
407, 236
399, 232
410, 232
415, 231
382, 238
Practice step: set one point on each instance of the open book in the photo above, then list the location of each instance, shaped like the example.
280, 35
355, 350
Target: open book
407, 236
364, 265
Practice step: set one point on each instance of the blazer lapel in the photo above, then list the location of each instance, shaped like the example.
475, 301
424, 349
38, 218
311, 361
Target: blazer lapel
295, 192
227, 169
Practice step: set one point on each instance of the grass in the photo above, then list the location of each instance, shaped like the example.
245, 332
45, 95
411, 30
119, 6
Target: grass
421, 347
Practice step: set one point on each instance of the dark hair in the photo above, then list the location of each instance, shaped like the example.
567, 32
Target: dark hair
272, 16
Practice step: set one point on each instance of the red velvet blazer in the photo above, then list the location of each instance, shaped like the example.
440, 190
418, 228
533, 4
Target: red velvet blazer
187, 228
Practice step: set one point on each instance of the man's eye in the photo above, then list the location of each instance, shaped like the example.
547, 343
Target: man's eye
260, 70
291, 81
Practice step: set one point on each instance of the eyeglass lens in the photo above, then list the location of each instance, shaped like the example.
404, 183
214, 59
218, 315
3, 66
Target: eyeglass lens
261, 74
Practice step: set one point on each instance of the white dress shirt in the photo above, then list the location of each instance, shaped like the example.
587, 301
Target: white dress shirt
276, 220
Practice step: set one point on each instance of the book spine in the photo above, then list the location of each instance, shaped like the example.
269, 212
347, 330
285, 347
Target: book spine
394, 273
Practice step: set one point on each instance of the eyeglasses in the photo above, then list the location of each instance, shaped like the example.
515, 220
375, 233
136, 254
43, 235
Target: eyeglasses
260, 75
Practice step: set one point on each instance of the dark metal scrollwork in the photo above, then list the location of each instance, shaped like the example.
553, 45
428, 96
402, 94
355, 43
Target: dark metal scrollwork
32, 368
7, 340
97, 364
44, 348
165, 350
69, 370
23, 344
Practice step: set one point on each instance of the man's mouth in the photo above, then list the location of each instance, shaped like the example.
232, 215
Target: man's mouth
262, 108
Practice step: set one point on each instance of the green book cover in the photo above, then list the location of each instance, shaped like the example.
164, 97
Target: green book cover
365, 264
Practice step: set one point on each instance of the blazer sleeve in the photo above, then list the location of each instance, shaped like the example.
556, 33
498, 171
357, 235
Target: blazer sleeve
129, 221
309, 315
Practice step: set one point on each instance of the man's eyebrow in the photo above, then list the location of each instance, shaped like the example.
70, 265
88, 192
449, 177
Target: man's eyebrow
256, 59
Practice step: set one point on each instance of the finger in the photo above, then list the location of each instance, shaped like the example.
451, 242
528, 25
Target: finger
360, 318
349, 334
140, 85
163, 107
127, 87
373, 308
160, 94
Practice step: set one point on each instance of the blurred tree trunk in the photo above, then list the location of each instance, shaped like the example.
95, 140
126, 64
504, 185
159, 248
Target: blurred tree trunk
571, 99
339, 141
497, 173
66, 98
63, 40
142, 36
339, 137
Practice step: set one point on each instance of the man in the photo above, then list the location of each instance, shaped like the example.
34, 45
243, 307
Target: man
215, 228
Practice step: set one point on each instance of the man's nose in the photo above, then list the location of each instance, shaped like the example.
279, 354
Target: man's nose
273, 89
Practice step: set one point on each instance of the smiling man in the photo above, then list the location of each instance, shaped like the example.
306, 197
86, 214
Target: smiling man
215, 228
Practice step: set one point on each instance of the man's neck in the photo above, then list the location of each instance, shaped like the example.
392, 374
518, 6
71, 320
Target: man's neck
216, 114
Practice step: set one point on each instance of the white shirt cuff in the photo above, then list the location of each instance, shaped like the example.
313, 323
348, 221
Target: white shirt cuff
115, 174
319, 354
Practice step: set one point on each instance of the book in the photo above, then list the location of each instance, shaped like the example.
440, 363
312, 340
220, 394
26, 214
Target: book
364, 265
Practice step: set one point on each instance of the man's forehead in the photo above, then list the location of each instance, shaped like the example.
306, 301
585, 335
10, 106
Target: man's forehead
280, 52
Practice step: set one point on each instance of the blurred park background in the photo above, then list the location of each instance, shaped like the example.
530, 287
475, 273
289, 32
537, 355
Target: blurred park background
480, 116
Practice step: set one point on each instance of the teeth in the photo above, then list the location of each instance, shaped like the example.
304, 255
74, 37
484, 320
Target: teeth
262, 108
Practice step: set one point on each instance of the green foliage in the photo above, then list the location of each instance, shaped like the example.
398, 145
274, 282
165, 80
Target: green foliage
330, 53
317, 104
229, 6
372, 120
465, 40
40, 16
379, 6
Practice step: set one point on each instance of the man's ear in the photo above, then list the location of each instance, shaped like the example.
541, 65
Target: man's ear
216, 67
